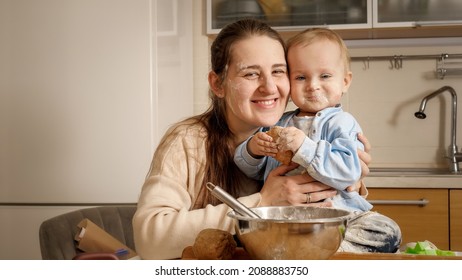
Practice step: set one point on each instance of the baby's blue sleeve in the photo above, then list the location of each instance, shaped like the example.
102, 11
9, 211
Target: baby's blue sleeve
252, 167
333, 160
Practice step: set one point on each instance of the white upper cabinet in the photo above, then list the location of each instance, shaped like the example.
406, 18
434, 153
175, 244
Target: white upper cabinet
287, 15
373, 17
417, 13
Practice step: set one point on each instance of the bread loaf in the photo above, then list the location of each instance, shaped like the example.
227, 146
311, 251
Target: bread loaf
214, 244
284, 157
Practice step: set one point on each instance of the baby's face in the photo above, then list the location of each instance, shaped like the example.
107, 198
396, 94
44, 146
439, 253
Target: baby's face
317, 76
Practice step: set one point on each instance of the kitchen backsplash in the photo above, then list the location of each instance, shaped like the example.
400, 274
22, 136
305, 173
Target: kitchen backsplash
384, 101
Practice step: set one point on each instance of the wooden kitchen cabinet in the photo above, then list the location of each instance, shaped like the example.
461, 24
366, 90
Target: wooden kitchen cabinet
422, 214
455, 221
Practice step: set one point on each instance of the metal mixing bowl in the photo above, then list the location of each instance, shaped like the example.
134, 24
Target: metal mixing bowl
291, 232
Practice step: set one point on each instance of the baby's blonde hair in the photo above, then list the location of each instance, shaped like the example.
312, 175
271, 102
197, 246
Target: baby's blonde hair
312, 35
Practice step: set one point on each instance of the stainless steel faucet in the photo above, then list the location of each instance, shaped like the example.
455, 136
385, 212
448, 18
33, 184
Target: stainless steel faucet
454, 156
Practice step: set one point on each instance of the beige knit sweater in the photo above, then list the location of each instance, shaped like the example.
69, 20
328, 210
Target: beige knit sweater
164, 223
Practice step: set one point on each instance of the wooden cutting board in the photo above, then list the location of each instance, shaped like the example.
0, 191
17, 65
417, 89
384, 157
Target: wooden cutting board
239, 254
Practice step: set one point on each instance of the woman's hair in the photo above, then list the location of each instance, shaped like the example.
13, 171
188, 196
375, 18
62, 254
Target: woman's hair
220, 168
312, 35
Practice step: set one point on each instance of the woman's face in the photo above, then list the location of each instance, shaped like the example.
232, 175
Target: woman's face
256, 86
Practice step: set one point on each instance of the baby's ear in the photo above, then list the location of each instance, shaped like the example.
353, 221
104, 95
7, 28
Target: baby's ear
215, 84
347, 81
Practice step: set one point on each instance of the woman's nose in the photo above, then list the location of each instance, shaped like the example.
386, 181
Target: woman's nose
268, 85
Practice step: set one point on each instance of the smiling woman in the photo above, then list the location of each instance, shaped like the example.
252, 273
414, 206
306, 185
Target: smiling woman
249, 88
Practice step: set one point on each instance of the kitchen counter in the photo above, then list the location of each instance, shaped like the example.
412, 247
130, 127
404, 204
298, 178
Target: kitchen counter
413, 178
414, 182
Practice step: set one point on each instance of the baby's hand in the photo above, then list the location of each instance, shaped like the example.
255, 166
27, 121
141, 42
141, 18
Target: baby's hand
290, 138
261, 144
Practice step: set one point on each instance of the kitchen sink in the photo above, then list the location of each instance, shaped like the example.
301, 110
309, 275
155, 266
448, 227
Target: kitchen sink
412, 172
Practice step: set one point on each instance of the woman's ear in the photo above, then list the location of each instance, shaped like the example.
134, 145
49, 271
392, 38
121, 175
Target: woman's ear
215, 84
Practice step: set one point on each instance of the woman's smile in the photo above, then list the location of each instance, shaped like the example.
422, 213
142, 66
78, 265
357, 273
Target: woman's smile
269, 103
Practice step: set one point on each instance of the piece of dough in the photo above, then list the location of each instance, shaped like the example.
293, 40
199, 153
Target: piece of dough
214, 244
285, 157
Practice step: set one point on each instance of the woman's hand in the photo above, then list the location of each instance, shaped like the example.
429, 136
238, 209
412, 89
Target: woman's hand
294, 190
303, 189
365, 155
366, 159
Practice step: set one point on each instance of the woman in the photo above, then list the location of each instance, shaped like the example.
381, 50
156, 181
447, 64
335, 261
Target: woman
249, 89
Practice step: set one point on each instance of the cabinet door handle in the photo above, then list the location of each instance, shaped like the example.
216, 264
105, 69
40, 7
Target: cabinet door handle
437, 23
420, 202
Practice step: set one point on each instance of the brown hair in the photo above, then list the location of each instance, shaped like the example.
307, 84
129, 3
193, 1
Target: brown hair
220, 168
311, 35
